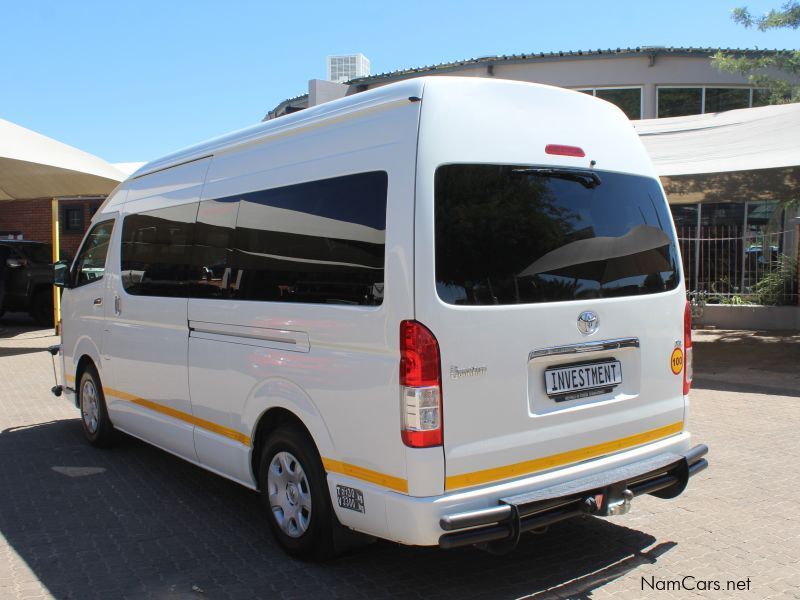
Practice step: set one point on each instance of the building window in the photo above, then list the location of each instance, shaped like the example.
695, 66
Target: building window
678, 102
73, 219
719, 99
629, 100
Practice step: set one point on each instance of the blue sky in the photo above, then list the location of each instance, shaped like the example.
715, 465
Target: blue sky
132, 81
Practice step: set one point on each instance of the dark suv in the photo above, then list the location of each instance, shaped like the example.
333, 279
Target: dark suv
28, 279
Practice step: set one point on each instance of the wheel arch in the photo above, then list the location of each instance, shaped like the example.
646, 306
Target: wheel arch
276, 416
83, 363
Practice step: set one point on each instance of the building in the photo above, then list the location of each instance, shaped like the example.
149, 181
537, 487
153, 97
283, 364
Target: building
31, 220
345, 67
729, 238
646, 82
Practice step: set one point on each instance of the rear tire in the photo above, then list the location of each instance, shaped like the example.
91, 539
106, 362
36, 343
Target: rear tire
97, 426
42, 308
294, 489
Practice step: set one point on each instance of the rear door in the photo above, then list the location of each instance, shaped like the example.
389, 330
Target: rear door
557, 305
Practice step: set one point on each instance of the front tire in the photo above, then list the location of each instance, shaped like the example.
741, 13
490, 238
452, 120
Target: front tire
295, 492
97, 426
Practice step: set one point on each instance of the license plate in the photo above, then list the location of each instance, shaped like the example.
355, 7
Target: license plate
580, 380
350, 498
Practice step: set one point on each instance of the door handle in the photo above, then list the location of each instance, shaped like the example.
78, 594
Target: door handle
117, 305
98, 301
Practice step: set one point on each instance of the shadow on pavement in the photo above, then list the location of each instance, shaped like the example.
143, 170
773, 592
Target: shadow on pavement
17, 351
22, 326
135, 521
721, 385
761, 362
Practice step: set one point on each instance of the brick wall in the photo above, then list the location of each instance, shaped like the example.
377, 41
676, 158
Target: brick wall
32, 218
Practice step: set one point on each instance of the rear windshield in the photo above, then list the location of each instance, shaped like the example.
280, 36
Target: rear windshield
519, 234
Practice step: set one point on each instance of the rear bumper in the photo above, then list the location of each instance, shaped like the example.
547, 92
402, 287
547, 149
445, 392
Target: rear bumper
604, 493
417, 520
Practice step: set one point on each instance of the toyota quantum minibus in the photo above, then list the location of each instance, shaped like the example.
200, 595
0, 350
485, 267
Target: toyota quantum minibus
442, 312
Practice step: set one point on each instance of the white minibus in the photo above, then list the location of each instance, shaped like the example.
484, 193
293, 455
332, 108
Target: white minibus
446, 312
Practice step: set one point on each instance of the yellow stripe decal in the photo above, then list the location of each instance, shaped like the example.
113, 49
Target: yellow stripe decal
529, 467
180, 415
388, 481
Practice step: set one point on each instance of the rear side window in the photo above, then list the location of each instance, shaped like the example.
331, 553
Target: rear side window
316, 242
510, 234
156, 251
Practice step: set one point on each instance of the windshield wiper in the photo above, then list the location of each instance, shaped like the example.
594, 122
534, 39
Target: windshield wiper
587, 179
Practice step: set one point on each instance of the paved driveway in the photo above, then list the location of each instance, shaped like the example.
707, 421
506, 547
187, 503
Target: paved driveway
133, 521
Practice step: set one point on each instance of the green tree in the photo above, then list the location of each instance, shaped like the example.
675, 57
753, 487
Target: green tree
780, 89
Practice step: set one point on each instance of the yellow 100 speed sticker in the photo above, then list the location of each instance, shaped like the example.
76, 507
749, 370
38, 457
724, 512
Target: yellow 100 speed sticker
676, 361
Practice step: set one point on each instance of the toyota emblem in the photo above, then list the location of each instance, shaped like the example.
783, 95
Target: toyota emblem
588, 322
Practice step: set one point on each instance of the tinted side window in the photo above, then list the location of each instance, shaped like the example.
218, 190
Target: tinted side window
156, 251
316, 242
213, 245
90, 265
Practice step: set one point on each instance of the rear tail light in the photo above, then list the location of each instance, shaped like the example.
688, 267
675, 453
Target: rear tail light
687, 349
420, 386
562, 150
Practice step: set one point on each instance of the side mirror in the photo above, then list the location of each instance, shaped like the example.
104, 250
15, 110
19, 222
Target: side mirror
15, 263
61, 274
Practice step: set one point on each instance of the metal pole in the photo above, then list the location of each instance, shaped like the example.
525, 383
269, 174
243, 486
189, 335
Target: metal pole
697, 251
743, 253
56, 258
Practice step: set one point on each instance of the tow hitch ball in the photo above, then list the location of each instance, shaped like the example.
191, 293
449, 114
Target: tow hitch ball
593, 505
622, 506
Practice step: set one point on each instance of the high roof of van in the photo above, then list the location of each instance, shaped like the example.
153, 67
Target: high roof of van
349, 104
400, 91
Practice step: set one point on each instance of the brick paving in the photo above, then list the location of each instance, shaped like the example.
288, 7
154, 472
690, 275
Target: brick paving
134, 522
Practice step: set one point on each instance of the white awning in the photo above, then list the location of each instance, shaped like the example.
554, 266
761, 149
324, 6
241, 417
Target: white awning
128, 168
748, 139
35, 166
